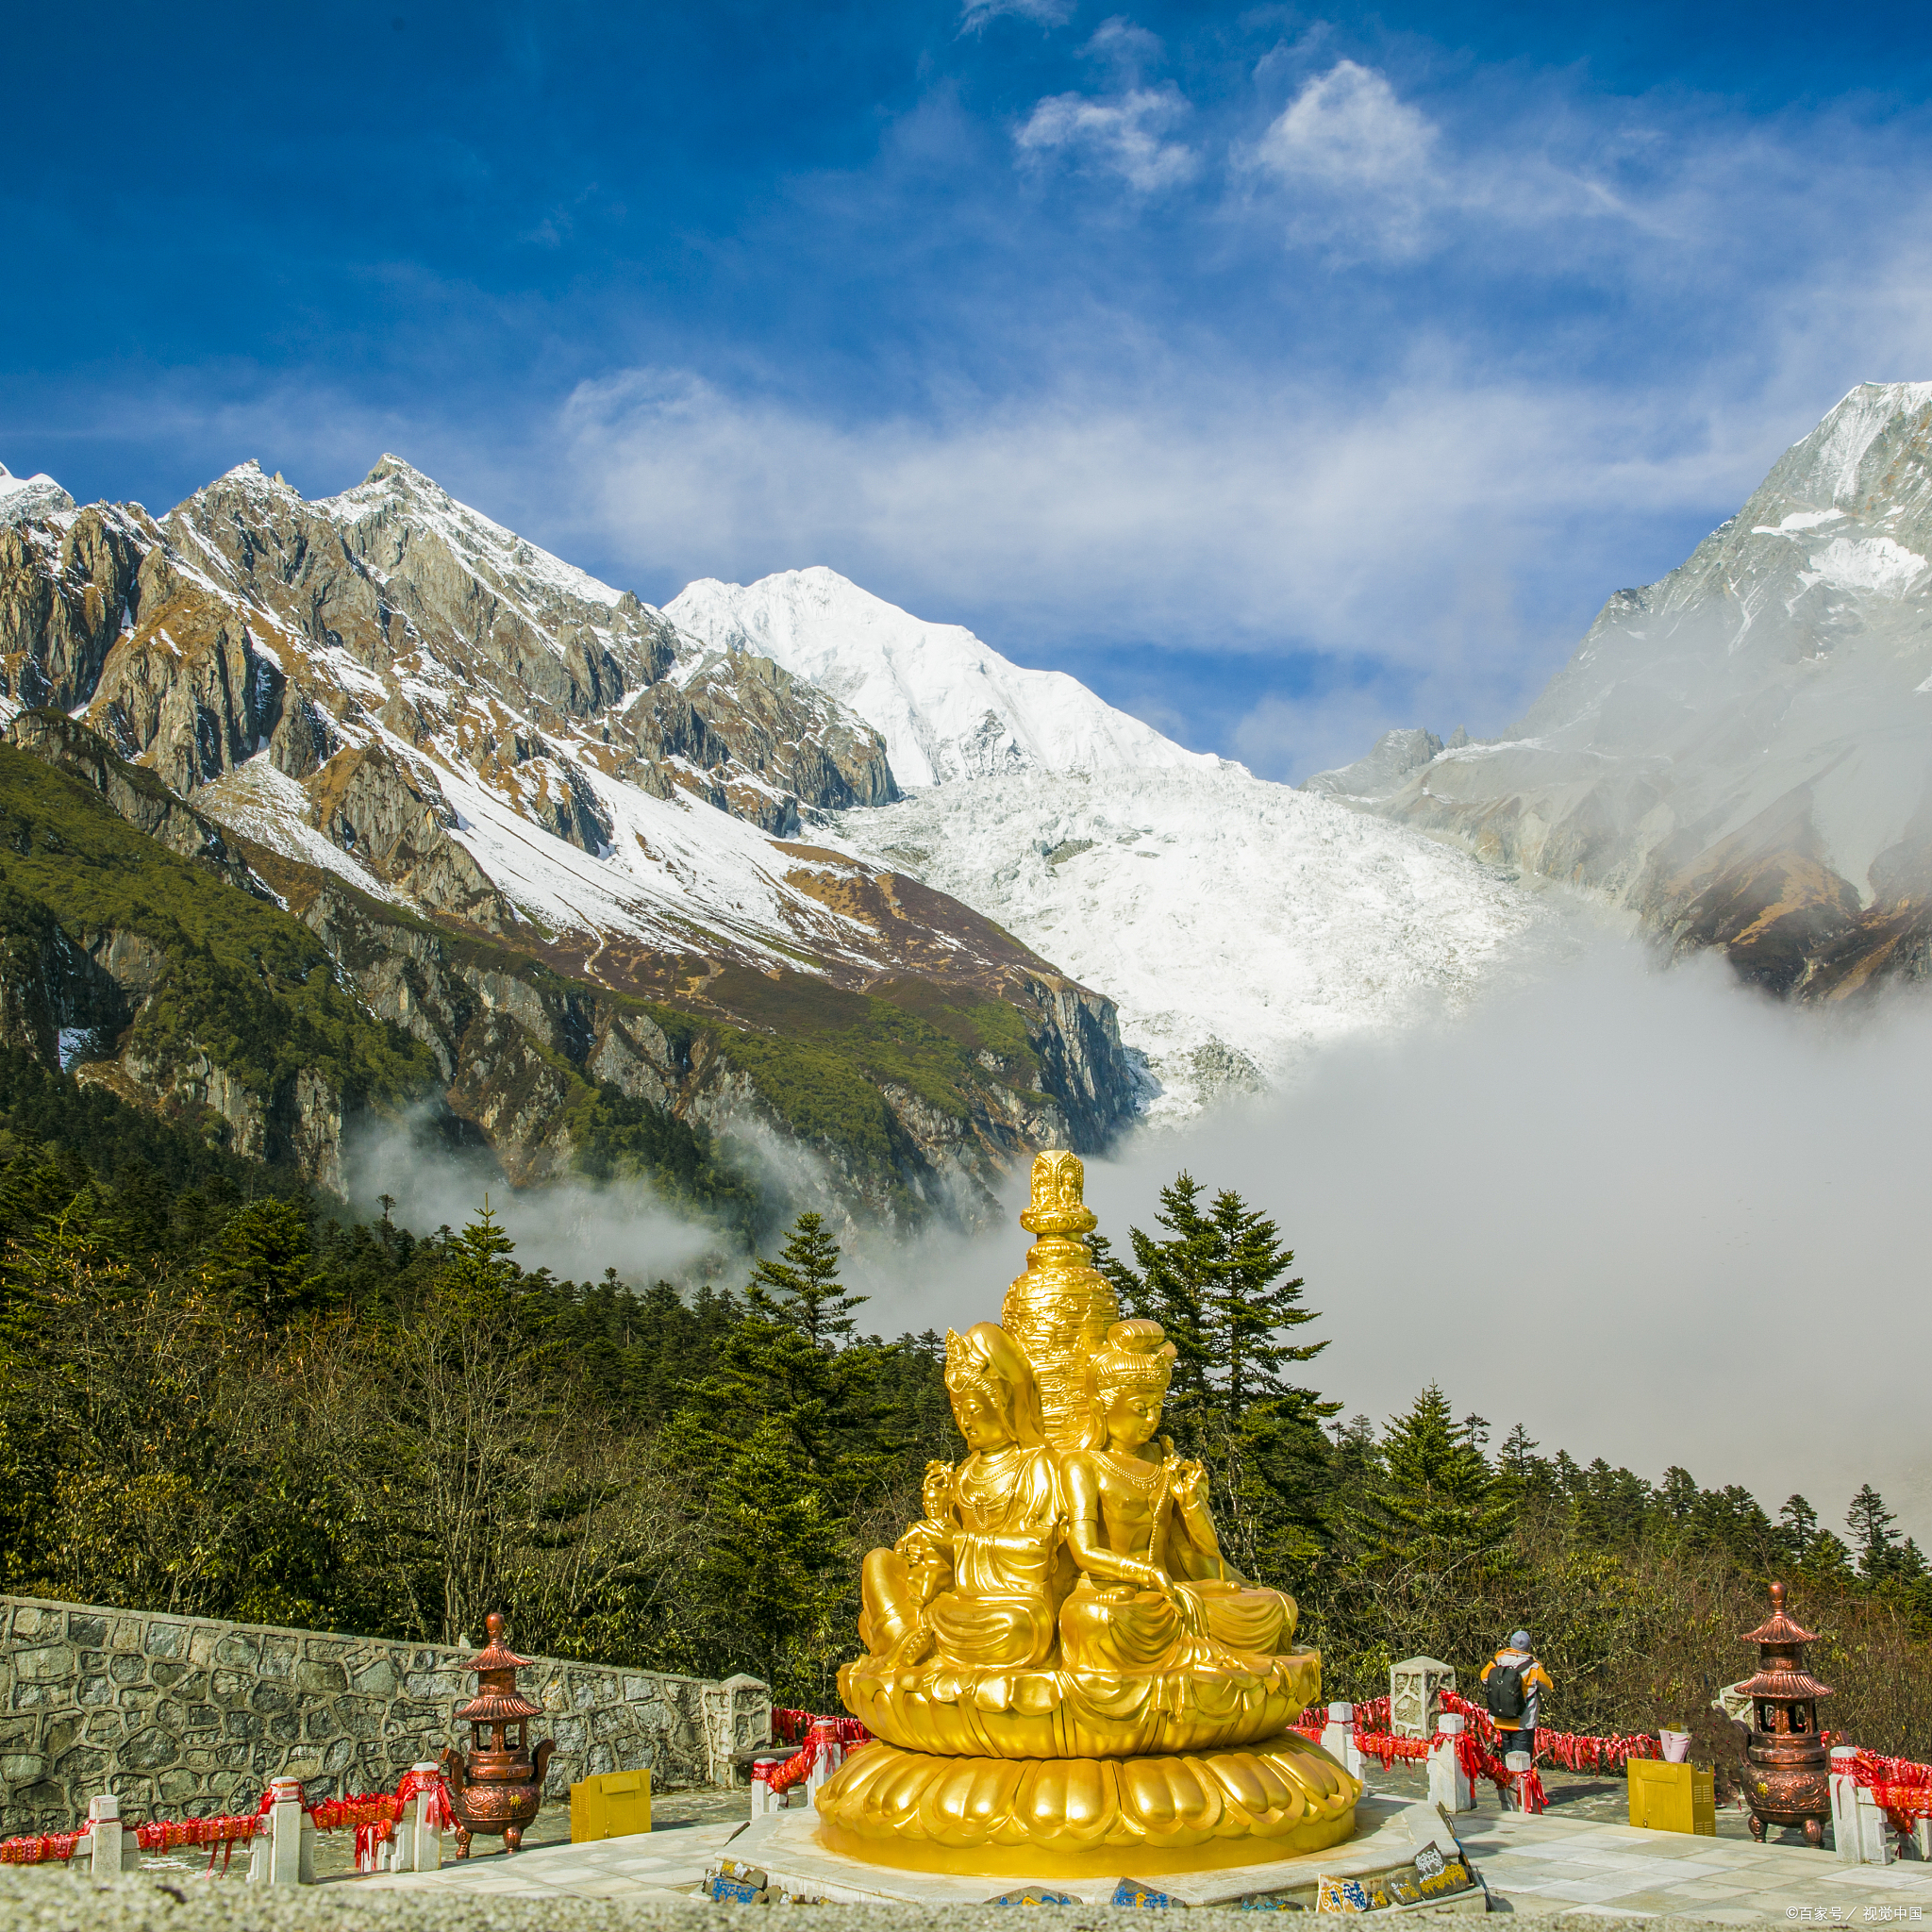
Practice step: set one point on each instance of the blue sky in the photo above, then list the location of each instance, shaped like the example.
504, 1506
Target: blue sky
1283, 374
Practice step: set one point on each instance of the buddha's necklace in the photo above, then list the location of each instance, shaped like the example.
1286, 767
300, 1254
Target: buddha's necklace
1128, 1471
981, 1483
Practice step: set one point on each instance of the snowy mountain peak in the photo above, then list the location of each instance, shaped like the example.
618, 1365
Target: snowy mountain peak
947, 705
22, 497
395, 490
1743, 750
1851, 455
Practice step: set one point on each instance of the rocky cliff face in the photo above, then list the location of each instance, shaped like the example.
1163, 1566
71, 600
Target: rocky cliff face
1742, 752
549, 839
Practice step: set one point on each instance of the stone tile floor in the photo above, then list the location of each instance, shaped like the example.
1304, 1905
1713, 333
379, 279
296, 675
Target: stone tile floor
659, 1864
1580, 1857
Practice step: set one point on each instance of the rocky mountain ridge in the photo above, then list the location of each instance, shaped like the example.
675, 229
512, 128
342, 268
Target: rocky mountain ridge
437, 746
1740, 752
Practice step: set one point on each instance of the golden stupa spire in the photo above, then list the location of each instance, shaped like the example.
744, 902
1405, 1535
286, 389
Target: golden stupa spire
1061, 1308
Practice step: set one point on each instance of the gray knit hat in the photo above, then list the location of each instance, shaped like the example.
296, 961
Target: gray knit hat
1519, 1640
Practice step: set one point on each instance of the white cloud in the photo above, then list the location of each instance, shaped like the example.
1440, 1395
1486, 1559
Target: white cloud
1176, 504
1619, 1164
1364, 172
1123, 134
1123, 46
1347, 128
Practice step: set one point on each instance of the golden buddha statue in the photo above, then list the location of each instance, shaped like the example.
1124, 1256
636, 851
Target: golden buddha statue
1154, 1591
981, 1578
1063, 1675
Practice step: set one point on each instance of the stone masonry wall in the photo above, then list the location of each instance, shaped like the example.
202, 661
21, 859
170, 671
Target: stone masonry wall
184, 1716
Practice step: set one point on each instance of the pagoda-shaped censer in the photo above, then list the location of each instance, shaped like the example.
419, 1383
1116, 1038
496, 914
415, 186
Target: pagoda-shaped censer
498, 1785
1788, 1773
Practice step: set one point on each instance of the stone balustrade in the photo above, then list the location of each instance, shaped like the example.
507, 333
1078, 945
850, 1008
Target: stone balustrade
184, 1716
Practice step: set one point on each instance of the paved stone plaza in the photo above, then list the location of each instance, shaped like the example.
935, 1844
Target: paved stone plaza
1550, 1865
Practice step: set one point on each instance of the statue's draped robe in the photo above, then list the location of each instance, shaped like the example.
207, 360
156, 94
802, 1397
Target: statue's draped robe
1005, 1528
1109, 1628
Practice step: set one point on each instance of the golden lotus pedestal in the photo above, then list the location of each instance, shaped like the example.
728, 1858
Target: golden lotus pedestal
1055, 1774
1086, 1817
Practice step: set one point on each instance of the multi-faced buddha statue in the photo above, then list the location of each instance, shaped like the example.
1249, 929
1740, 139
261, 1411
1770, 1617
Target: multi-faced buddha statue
1062, 1671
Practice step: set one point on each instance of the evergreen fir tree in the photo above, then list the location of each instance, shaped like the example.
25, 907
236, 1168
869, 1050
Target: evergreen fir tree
1436, 1502
1217, 1281
802, 1287
1874, 1539
261, 1261
1797, 1528
775, 1567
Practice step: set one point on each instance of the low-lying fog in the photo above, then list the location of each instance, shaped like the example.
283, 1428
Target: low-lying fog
1650, 1215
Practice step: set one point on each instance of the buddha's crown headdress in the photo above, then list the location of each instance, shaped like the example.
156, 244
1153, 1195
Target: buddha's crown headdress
1137, 1355
987, 1362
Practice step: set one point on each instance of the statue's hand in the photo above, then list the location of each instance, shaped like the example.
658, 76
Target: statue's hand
922, 1544
1187, 1486
1193, 1613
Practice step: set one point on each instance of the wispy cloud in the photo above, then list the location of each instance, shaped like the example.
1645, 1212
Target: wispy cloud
978, 14
1125, 134
1349, 139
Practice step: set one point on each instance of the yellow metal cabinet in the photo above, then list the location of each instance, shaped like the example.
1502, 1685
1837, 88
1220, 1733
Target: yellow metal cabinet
612, 1806
1672, 1797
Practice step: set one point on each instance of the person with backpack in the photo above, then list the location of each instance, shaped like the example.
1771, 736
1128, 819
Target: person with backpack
1511, 1681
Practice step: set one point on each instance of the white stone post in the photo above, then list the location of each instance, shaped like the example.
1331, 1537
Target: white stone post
261, 1852
1860, 1832
110, 1840
1516, 1763
1338, 1738
824, 1736
1922, 1838
288, 1853
1844, 1804
763, 1798
416, 1836
1449, 1785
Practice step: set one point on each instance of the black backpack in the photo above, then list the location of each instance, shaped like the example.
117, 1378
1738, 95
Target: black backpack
1504, 1690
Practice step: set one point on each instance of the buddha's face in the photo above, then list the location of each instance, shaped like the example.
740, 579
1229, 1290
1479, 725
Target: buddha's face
1131, 1414
982, 1421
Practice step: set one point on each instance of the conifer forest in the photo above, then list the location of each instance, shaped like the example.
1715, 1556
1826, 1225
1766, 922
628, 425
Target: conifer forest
219, 1396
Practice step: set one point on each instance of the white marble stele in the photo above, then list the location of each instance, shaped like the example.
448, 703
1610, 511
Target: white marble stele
1403, 1858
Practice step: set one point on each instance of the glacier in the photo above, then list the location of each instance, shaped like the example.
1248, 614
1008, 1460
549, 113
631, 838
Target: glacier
1239, 926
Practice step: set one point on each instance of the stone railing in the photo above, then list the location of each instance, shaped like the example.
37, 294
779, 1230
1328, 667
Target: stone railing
183, 1716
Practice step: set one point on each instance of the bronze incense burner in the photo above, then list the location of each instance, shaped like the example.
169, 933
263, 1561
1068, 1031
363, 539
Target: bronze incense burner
1787, 1768
497, 1788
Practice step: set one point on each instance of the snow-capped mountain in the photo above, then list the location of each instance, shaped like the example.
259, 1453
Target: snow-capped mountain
403, 713
29, 497
947, 705
1742, 751
1237, 924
